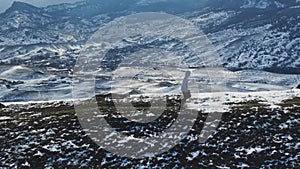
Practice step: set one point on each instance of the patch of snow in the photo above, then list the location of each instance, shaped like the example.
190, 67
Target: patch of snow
193, 155
5, 118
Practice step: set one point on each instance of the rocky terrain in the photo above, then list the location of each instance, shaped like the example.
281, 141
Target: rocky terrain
251, 134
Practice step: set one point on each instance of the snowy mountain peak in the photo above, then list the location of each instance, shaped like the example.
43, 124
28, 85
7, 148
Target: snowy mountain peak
17, 6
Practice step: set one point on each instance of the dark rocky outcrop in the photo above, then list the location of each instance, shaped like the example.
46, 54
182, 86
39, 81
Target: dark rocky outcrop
298, 87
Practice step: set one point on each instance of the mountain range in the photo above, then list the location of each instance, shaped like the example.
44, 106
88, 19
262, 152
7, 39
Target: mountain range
248, 34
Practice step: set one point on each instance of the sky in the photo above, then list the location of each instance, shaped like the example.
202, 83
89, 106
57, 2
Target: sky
4, 4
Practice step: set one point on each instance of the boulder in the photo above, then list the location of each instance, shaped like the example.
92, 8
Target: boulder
298, 87
2, 106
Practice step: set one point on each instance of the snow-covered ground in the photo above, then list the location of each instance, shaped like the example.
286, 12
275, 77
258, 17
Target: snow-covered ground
220, 102
25, 84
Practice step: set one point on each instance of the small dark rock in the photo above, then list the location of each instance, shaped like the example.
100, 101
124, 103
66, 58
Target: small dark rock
298, 87
166, 84
135, 91
2, 106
